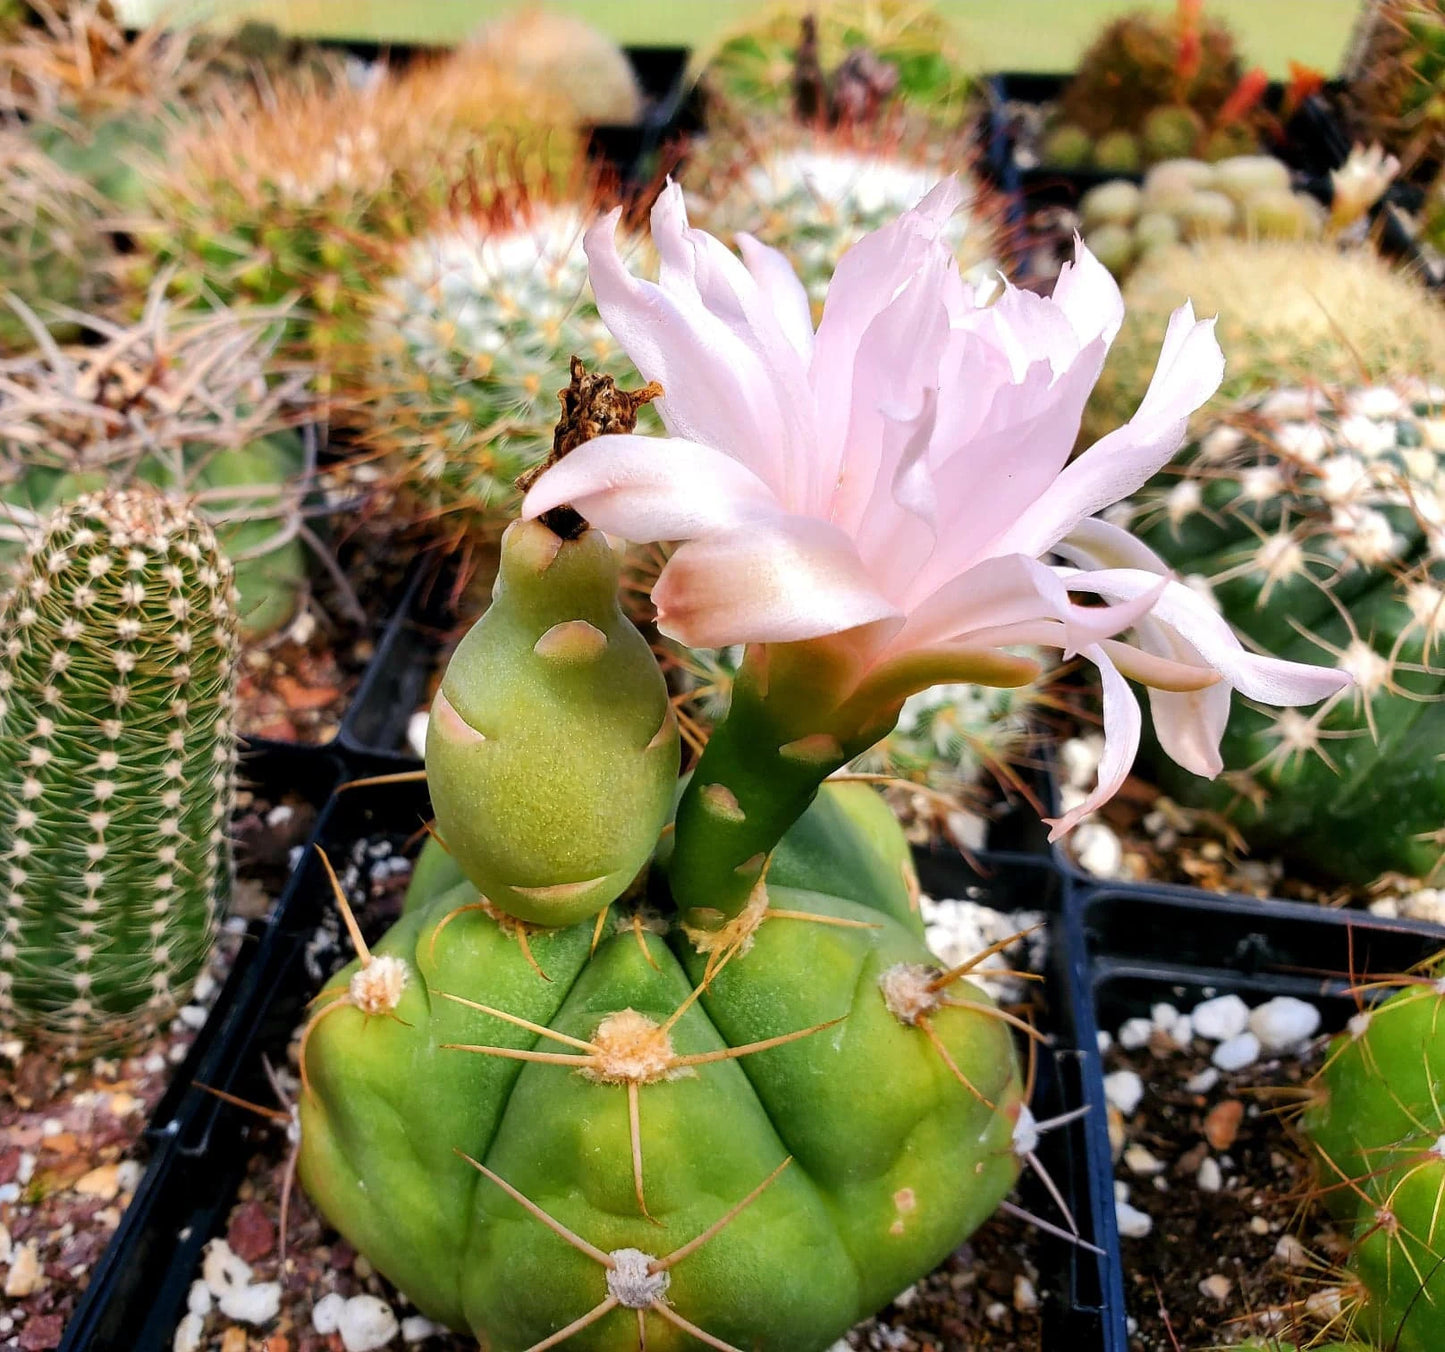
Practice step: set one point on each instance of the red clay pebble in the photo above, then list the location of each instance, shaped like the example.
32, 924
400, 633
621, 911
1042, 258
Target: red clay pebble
251, 1234
41, 1333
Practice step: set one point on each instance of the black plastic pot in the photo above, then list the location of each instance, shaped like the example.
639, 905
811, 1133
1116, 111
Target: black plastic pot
1146, 945
138, 1291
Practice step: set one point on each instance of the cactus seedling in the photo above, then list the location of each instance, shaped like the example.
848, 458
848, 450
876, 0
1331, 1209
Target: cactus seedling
116, 756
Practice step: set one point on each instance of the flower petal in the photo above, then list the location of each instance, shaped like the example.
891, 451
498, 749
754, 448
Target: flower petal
784, 292
1191, 365
1089, 297
652, 488
771, 581
1123, 725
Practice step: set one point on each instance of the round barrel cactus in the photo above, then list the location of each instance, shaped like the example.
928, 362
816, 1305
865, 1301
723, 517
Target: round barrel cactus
116, 756
1376, 1128
600, 1130
1315, 523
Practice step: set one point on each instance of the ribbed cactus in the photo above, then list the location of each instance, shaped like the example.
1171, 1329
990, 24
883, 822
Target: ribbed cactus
1317, 523
813, 191
1376, 1129
470, 344
181, 400
117, 751
1289, 313
753, 65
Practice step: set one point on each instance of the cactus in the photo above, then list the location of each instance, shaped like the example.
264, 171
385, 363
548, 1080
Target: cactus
1246, 197
181, 401
308, 195
813, 191
753, 65
1141, 62
562, 54
1316, 521
52, 246
1289, 313
530, 1136
116, 755
1375, 1126
1395, 82
470, 343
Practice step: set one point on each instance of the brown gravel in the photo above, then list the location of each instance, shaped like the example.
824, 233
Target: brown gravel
1235, 1233
73, 1151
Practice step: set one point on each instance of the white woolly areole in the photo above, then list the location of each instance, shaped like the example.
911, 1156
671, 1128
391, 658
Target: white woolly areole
377, 987
905, 988
632, 1283
1026, 1132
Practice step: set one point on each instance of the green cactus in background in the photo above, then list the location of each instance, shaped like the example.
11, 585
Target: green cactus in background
1290, 312
182, 401
53, 249
117, 750
753, 65
587, 1079
1317, 524
1395, 82
1376, 1129
470, 344
813, 191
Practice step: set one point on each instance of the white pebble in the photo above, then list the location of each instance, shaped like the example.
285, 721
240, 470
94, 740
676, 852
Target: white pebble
367, 1322
1216, 1287
1237, 1052
189, 1333
416, 732
326, 1313
1124, 1089
258, 1304
1135, 1033
1165, 1016
1220, 1019
1133, 1223
1079, 759
1139, 1161
1025, 1297
417, 1328
1203, 1082
1209, 1178
1098, 850
1284, 1022
1103, 1041
198, 1298
128, 1176
192, 1016
224, 1270
1291, 1252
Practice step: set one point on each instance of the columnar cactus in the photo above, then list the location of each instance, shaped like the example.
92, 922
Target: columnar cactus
117, 751
1316, 521
1377, 1131
470, 344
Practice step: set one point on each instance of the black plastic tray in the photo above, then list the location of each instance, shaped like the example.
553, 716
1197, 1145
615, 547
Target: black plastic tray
1177, 945
138, 1291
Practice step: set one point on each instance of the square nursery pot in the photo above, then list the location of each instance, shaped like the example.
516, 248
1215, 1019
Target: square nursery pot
1173, 945
124, 1272
139, 1290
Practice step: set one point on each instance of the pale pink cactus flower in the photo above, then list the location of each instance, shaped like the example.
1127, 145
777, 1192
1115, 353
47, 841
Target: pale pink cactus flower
900, 475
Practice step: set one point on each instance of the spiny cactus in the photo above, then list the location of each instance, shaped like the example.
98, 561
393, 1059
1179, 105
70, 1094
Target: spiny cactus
561, 54
53, 249
1377, 1132
1395, 81
1289, 312
546, 1133
753, 65
814, 191
183, 401
1248, 197
469, 346
1317, 523
308, 195
117, 682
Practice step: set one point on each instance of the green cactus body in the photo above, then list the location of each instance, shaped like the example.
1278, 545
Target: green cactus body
471, 341
644, 1097
1316, 522
116, 760
552, 750
753, 65
1290, 313
1396, 81
813, 192
1377, 1132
